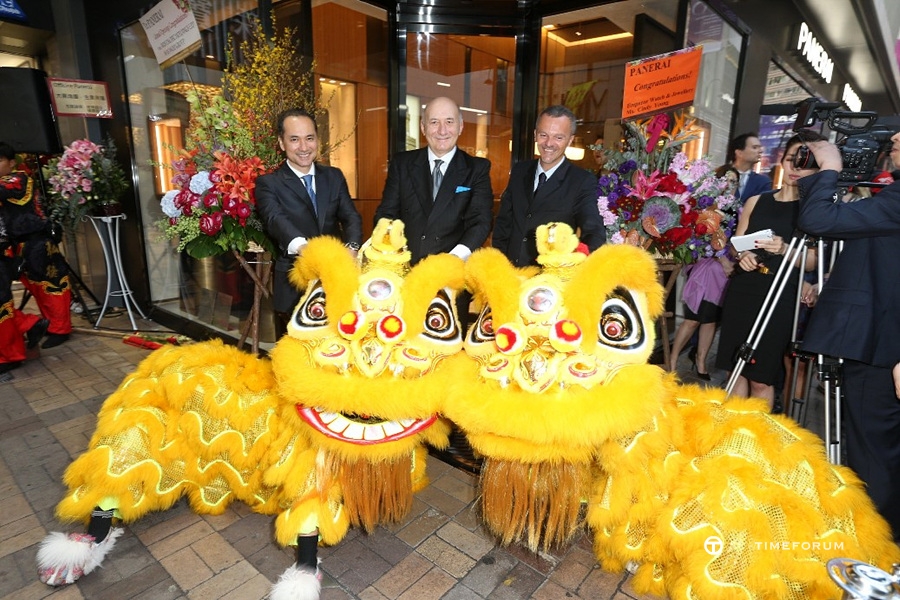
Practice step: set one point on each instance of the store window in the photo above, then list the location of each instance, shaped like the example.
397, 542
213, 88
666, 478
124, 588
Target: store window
583, 56
349, 43
717, 84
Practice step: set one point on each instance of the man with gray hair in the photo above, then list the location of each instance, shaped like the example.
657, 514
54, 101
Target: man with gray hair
546, 190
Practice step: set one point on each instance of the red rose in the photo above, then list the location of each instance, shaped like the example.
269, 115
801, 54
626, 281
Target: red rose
211, 224
230, 205
677, 235
688, 218
243, 210
671, 183
701, 229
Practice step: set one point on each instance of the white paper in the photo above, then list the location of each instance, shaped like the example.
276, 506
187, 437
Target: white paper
748, 242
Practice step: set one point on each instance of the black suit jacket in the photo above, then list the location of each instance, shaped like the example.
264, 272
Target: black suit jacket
460, 214
857, 316
287, 212
568, 196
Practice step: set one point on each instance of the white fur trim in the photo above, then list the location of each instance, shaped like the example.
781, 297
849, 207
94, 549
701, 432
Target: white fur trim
62, 559
99, 551
297, 584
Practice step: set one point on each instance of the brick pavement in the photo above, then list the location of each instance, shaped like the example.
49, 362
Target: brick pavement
47, 415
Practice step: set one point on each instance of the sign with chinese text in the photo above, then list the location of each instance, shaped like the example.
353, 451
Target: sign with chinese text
80, 98
172, 31
661, 83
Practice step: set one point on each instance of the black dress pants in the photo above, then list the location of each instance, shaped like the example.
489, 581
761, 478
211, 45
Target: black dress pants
872, 412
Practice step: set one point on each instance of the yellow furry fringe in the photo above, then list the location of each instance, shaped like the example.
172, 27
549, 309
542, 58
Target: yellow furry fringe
377, 493
196, 420
537, 504
568, 425
758, 482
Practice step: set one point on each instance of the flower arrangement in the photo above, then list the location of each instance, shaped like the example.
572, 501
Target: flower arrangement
84, 178
686, 213
655, 197
229, 143
213, 210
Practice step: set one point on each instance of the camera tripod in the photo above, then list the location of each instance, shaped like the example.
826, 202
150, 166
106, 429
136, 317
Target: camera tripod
829, 370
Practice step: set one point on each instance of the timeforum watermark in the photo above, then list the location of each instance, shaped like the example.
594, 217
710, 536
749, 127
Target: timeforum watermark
714, 546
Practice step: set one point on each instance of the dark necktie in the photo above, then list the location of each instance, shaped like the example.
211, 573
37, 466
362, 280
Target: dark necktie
436, 177
308, 182
542, 177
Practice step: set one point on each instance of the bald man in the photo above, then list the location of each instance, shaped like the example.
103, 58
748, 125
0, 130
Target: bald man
442, 194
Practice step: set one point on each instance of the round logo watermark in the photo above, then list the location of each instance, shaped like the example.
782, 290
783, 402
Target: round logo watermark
713, 545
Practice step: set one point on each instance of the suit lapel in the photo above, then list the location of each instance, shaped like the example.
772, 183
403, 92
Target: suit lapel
323, 195
528, 183
420, 175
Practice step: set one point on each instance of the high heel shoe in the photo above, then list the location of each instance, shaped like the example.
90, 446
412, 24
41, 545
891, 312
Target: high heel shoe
699, 375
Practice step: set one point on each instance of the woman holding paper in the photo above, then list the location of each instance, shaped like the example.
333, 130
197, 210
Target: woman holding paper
753, 276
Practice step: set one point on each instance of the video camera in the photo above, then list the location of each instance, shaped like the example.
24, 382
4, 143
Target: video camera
864, 143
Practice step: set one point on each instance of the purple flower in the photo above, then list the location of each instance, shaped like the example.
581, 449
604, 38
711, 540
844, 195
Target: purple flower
627, 166
663, 211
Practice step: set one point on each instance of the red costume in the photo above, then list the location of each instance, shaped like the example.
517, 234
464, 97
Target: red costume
44, 273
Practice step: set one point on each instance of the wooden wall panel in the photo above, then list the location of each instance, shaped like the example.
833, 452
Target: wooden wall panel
372, 141
339, 42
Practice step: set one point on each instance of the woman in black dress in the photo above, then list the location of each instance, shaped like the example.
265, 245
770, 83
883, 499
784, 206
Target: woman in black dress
750, 283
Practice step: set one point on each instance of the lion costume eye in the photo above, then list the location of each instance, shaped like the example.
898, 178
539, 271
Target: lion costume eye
312, 309
620, 324
483, 330
440, 321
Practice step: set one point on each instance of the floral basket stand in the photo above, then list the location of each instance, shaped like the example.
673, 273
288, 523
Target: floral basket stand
668, 270
260, 272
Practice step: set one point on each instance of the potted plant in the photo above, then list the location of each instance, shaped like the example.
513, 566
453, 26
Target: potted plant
86, 180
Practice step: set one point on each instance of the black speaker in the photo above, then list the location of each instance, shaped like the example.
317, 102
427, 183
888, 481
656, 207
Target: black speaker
27, 122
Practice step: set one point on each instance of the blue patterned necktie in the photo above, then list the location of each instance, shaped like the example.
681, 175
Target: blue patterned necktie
308, 182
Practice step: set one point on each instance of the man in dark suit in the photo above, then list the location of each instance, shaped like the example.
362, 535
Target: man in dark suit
857, 317
442, 195
744, 152
301, 200
548, 189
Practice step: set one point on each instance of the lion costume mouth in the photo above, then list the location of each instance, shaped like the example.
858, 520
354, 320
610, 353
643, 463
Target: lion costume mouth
358, 430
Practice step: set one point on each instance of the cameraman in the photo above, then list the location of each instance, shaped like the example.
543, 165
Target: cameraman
858, 318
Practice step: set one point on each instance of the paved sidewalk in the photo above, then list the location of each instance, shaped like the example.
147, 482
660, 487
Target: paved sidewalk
47, 415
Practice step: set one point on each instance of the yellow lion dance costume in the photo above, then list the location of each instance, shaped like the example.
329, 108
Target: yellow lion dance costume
703, 498
330, 432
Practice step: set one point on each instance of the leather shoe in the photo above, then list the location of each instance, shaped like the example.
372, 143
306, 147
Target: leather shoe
36, 333
9, 366
55, 339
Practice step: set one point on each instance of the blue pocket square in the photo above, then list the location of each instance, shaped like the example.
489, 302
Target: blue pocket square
462, 188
